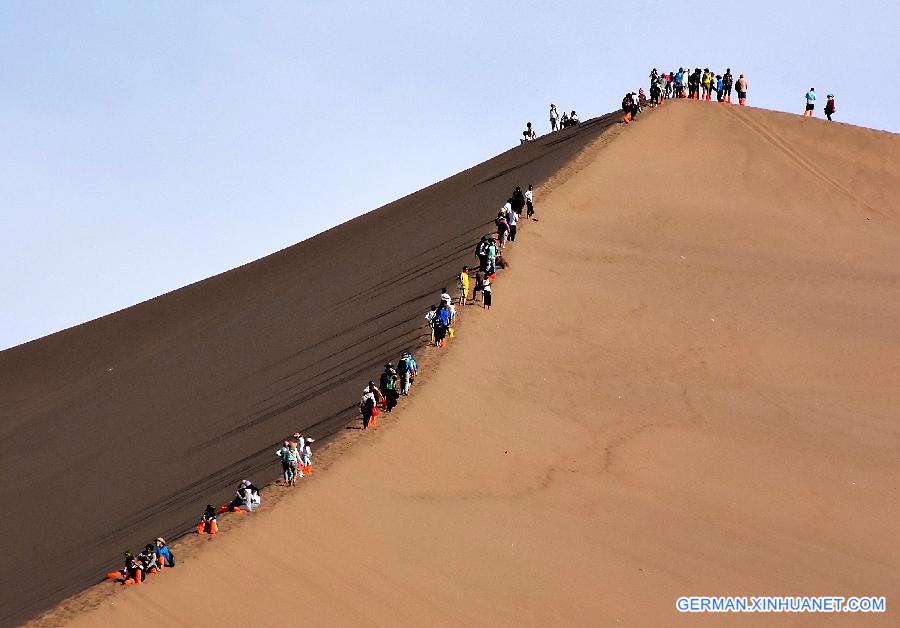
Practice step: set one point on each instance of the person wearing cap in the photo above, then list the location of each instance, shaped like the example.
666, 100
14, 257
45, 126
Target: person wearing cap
447, 302
486, 294
441, 324
408, 369
810, 102
829, 107
554, 118
367, 407
388, 384
165, 557
741, 88
243, 499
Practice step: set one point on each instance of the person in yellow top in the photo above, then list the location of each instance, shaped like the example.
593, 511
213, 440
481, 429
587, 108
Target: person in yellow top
463, 285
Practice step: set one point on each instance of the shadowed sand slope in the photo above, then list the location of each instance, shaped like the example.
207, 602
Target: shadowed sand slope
688, 385
122, 429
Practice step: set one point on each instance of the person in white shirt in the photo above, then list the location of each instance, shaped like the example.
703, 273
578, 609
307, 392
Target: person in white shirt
529, 202
511, 219
554, 118
430, 318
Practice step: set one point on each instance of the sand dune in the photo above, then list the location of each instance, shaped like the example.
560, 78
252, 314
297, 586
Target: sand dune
687, 385
122, 429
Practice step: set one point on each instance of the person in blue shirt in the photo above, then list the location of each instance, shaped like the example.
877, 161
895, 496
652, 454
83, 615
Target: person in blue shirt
678, 76
165, 556
810, 102
408, 370
720, 88
441, 324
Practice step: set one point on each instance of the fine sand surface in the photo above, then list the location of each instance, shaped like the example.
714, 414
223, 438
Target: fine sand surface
122, 429
677, 392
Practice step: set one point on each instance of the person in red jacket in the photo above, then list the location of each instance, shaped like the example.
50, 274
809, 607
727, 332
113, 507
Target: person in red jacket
829, 107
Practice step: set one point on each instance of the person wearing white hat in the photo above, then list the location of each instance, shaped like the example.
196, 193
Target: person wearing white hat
554, 117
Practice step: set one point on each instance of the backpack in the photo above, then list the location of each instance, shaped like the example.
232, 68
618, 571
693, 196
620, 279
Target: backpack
627, 102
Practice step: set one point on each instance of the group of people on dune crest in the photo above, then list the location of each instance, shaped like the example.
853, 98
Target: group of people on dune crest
702, 84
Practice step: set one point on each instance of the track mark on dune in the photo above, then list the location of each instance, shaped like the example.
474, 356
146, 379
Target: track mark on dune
800, 160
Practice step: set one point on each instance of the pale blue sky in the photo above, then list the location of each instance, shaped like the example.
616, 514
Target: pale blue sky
147, 145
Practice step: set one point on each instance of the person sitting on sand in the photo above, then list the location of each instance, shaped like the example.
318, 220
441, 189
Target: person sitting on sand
148, 559
131, 573
243, 498
164, 556
134, 569
564, 120
573, 118
208, 523
528, 135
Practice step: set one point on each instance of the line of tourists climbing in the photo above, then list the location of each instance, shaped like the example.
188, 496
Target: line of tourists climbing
395, 382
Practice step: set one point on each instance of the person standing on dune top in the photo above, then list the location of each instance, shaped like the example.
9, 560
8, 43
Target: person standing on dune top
554, 118
727, 84
810, 102
829, 107
741, 88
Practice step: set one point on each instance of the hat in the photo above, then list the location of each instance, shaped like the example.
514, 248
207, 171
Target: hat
831, 95
159, 539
